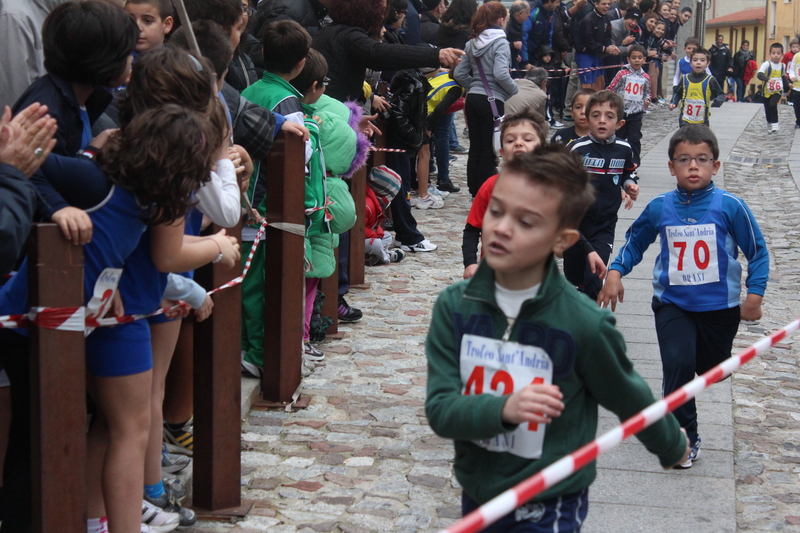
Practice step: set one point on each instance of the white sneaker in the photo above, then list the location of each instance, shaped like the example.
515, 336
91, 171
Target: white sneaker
413, 198
423, 246
157, 519
432, 189
557, 124
430, 202
776, 126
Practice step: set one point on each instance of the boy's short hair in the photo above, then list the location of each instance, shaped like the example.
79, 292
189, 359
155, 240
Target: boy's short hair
315, 70
164, 7
526, 114
214, 44
692, 41
694, 134
687, 10
286, 43
794, 41
554, 166
649, 15
583, 91
88, 42
226, 13
635, 48
776, 45
606, 96
702, 51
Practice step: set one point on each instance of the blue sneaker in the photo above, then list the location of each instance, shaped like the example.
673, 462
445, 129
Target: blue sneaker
694, 453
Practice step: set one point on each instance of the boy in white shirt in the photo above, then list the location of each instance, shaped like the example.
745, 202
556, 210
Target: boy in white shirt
773, 74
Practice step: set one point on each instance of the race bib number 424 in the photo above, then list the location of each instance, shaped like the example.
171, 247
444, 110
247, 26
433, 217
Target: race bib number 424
490, 366
692, 254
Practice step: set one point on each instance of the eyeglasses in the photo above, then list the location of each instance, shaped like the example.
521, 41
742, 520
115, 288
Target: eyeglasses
325, 81
702, 160
247, 10
401, 11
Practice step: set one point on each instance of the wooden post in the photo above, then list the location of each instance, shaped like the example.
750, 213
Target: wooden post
330, 288
216, 479
283, 293
358, 190
58, 387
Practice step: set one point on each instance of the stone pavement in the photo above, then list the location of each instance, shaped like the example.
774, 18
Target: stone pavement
362, 458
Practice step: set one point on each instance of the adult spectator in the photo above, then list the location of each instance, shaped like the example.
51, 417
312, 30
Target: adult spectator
721, 61
532, 93
349, 48
21, 45
740, 60
592, 42
25, 142
411, 26
430, 20
537, 30
310, 14
624, 32
455, 27
618, 9
517, 15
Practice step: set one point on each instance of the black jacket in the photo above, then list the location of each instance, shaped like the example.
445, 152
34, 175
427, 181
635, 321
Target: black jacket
406, 117
241, 71
308, 13
428, 27
253, 48
452, 35
349, 52
594, 34
17, 205
721, 60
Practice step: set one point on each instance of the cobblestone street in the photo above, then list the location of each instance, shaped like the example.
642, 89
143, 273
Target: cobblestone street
361, 457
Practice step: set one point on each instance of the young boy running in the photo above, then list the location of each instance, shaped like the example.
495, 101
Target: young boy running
773, 74
518, 361
685, 63
609, 161
633, 85
697, 92
696, 277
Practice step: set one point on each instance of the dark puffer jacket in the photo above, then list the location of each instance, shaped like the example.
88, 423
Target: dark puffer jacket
308, 13
406, 117
349, 52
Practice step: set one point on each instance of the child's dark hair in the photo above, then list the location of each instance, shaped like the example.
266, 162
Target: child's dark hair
88, 42
168, 75
649, 15
226, 13
214, 44
527, 114
164, 7
779, 46
554, 166
315, 70
606, 96
636, 48
286, 43
704, 52
686, 10
394, 10
693, 41
583, 91
163, 156
486, 16
694, 134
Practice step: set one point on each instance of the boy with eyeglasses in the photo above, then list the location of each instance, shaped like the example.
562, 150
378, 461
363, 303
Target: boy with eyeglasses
696, 277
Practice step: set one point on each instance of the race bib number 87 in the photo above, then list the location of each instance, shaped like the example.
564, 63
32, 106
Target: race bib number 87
490, 366
692, 254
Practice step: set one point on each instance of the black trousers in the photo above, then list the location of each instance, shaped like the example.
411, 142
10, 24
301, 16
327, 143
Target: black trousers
631, 131
405, 225
576, 268
795, 97
771, 108
691, 343
481, 160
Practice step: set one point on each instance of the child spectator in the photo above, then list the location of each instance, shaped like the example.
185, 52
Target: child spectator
383, 184
773, 74
633, 85
520, 132
697, 278
154, 18
518, 302
581, 127
555, 98
697, 92
794, 48
443, 98
794, 73
656, 46
609, 162
592, 41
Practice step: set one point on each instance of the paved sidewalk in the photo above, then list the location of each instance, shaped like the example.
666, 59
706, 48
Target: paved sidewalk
362, 458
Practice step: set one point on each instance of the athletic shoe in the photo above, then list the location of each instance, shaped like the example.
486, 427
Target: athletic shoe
431, 201
156, 519
447, 186
413, 198
694, 454
168, 504
250, 369
347, 313
395, 256
433, 189
172, 463
180, 440
145, 529
458, 149
371, 260
776, 127
452, 158
423, 246
556, 124
465, 132
567, 118
176, 488
312, 353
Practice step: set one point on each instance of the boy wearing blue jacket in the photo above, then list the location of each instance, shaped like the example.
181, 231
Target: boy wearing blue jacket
696, 277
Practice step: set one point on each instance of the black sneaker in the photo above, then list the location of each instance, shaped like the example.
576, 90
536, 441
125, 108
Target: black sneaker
447, 186
347, 313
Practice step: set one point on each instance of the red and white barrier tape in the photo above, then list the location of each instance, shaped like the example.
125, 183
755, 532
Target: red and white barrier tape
393, 150
509, 500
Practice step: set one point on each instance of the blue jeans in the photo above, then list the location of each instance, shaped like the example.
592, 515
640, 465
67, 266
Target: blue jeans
451, 118
739, 89
441, 145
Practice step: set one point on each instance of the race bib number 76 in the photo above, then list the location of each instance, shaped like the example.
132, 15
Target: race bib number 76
692, 254
490, 366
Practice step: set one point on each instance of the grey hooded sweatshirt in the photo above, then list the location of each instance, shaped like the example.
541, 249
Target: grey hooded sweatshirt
491, 47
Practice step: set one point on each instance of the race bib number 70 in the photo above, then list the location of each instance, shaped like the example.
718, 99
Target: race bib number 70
490, 366
692, 254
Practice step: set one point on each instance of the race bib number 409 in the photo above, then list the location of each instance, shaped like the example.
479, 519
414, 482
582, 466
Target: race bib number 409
490, 366
692, 254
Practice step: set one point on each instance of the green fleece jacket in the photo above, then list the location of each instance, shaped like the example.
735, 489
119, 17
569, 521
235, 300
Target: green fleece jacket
589, 366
